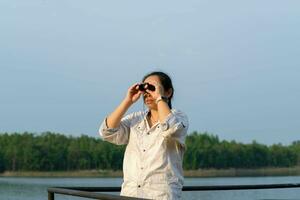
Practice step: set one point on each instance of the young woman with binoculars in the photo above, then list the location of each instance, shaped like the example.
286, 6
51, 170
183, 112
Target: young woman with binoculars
155, 139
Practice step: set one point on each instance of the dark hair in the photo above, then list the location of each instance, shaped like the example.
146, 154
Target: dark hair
166, 82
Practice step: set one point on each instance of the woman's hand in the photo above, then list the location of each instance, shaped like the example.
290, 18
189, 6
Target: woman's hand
114, 119
133, 94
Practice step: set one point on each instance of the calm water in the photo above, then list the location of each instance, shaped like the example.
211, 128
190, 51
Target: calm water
36, 188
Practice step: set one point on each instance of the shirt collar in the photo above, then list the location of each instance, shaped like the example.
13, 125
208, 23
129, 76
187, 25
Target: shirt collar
146, 122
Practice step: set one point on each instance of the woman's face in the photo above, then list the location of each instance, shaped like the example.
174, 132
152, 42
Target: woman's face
148, 100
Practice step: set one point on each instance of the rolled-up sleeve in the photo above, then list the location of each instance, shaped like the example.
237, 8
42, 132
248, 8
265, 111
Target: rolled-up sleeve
119, 135
175, 127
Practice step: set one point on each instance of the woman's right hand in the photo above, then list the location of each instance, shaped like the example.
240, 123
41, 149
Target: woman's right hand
133, 94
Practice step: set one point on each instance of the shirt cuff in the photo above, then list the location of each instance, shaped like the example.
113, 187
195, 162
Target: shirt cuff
105, 128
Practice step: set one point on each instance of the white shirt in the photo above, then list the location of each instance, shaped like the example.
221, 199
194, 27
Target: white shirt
152, 164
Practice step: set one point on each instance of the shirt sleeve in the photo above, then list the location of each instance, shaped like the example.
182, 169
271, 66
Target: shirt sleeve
119, 135
175, 127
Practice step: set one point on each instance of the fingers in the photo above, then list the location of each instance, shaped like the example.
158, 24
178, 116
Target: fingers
136, 96
139, 93
133, 89
134, 86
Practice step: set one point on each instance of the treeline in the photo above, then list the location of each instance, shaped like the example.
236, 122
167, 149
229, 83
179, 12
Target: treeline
57, 152
207, 151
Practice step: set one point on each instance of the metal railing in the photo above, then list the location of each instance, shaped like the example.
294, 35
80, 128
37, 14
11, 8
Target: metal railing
89, 192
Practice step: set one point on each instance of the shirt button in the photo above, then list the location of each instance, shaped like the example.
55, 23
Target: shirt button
148, 133
142, 168
139, 186
144, 150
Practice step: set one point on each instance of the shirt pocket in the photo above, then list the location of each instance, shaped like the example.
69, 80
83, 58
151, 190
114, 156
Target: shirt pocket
138, 128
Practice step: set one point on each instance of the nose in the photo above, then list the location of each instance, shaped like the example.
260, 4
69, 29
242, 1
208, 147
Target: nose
146, 94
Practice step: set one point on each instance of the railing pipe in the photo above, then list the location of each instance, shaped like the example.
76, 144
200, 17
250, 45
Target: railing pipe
87, 192
196, 188
240, 187
79, 193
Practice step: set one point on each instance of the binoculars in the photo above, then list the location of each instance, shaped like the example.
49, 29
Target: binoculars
146, 86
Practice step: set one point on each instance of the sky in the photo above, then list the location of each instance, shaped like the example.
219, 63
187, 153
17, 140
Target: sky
66, 64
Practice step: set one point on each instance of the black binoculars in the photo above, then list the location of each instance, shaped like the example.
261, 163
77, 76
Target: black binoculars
146, 86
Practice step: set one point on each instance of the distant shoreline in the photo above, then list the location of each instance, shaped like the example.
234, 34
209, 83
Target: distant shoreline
293, 171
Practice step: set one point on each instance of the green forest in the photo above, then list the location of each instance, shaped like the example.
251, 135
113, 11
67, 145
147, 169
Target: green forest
57, 152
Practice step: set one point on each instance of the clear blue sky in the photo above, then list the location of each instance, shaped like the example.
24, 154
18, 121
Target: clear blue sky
66, 64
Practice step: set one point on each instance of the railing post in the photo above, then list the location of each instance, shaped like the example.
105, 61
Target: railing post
50, 195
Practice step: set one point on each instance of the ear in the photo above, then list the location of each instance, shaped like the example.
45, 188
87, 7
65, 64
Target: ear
169, 93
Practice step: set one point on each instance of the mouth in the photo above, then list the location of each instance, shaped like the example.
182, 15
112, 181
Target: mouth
148, 101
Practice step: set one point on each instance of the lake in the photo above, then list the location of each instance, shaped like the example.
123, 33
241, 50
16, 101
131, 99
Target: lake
12, 188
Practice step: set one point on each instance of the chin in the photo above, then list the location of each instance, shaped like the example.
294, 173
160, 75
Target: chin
151, 106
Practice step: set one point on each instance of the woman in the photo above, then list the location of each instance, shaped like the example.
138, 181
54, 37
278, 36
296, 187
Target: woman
155, 140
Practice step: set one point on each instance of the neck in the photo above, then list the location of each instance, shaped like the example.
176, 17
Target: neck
154, 115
